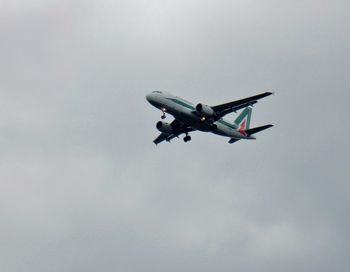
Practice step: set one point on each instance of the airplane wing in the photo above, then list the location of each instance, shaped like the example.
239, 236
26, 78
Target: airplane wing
223, 109
178, 128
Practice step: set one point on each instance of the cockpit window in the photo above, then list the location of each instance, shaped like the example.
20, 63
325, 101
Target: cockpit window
157, 92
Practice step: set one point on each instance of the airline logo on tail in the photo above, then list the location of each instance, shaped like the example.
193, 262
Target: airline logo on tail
243, 127
243, 120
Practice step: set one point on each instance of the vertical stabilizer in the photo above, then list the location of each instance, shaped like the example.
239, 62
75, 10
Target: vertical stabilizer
243, 120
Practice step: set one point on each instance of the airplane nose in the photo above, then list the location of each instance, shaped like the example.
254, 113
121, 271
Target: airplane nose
149, 97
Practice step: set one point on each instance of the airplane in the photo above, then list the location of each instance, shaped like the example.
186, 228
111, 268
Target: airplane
201, 117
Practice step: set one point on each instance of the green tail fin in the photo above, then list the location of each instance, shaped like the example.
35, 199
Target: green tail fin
243, 120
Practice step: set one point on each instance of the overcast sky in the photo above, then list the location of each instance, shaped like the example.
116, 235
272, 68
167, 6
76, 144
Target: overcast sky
83, 187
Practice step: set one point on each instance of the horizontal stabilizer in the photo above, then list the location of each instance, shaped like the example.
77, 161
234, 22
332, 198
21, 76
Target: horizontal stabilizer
233, 140
257, 129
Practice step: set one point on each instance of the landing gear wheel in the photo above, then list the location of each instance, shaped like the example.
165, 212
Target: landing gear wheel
187, 139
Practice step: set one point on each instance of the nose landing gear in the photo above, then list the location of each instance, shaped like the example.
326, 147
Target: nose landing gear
163, 111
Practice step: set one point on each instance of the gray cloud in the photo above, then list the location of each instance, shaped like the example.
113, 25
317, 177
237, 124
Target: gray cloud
82, 188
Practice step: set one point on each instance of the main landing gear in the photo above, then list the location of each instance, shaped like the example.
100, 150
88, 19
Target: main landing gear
187, 138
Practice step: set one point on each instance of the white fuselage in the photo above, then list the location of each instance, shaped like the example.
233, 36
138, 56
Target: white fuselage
185, 112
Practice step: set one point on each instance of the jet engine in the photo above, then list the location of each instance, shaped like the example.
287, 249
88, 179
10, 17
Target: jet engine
205, 110
164, 127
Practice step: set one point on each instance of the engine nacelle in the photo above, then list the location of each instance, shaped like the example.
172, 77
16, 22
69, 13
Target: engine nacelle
205, 110
164, 127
